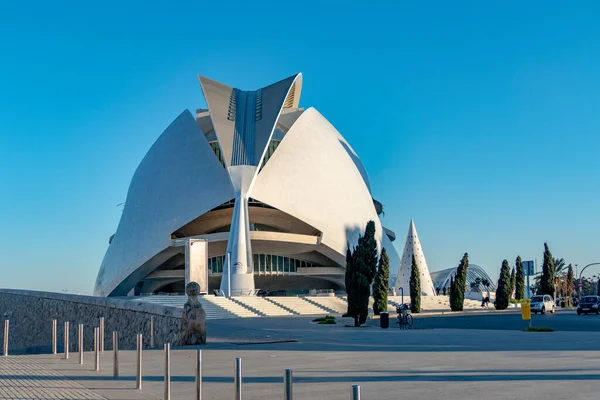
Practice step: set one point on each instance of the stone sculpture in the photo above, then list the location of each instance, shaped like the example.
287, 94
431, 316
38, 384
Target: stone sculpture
193, 322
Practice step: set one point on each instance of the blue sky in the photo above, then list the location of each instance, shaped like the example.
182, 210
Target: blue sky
480, 120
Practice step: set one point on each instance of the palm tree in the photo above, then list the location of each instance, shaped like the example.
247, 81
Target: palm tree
560, 270
560, 266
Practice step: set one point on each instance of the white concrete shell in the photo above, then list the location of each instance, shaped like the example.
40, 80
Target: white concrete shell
168, 190
252, 161
413, 247
312, 177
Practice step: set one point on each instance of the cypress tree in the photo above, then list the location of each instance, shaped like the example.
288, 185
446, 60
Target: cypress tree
513, 282
380, 285
457, 289
349, 282
570, 286
503, 290
370, 254
415, 287
519, 280
363, 267
547, 281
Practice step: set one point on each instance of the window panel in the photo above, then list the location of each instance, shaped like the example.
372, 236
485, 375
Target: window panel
286, 264
279, 263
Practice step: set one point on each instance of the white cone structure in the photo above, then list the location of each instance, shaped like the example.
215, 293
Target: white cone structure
413, 246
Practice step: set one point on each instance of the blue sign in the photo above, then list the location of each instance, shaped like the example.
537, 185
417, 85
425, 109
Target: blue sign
528, 268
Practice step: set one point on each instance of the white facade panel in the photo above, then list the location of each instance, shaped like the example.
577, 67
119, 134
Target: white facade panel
179, 179
312, 177
196, 263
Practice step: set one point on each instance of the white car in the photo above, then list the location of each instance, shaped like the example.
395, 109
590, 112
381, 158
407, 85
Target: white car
541, 304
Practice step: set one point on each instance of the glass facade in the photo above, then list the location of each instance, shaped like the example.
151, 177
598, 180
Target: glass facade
214, 145
264, 264
270, 150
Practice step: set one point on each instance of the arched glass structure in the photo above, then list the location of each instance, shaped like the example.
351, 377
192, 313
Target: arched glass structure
441, 278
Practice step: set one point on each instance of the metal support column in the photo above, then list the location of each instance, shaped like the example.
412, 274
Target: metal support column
167, 395
115, 338
66, 340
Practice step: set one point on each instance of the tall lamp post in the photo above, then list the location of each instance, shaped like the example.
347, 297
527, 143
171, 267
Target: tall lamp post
580, 274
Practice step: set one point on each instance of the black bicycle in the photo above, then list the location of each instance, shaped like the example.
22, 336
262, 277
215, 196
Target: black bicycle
405, 320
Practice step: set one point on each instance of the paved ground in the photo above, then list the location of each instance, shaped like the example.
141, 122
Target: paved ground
563, 320
388, 364
24, 378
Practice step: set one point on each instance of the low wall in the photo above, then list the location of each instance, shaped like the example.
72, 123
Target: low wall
33, 312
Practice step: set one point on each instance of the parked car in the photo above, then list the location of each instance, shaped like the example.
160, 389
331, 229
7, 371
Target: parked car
589, 304
541, 304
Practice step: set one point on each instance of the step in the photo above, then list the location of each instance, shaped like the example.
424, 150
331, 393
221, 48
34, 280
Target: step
265, 307
332, 303
231, 306
298, 305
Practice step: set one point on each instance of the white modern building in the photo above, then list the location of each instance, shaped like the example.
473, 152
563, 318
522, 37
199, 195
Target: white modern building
252, 193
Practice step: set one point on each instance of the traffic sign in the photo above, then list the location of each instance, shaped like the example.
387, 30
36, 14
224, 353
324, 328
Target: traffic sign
528, 268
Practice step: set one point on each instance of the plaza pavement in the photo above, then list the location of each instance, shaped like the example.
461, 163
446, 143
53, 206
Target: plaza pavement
328, 359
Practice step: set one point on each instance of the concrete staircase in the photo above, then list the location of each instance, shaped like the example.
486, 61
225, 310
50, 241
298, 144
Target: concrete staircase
299, 305
214, 307
231, 306
331, 303
263, 306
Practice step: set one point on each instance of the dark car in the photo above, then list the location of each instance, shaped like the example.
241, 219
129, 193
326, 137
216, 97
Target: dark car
589, 304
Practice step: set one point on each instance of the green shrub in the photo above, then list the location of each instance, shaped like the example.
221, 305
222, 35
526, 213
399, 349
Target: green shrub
324, 319
540, 329
327, 322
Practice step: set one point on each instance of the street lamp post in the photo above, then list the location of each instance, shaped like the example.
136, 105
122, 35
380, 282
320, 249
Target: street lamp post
580, 274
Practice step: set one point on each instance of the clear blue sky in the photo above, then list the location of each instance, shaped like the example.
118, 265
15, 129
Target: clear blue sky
478, 119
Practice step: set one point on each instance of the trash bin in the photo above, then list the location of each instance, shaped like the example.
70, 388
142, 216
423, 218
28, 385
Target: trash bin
384, 320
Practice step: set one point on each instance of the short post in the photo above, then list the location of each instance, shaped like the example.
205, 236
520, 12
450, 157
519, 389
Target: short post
5, 348
97, 349
198, 374
115, 339
80, 337
355, 392
138, 376
101, 334
54, 336
167, 371
66, 340
288, 382
151, 331
238, 379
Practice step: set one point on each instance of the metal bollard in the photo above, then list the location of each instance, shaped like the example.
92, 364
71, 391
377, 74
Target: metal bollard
288, 383
115, 354
138, 377
97, 349
355, 392
151, 331
238, 379
66, 340
101, 334
198, 374
54, 336
80, 336
167, 371
5, 348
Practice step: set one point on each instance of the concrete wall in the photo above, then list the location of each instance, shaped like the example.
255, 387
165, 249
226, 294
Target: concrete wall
33, 311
